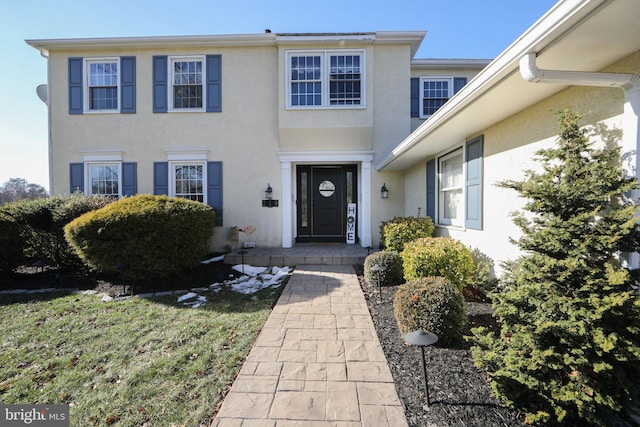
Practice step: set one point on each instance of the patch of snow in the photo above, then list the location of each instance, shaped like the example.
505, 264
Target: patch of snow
214, 259
248, 269
188, 295
253, 280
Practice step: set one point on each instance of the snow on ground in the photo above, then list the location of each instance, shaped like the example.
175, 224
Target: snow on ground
253, 280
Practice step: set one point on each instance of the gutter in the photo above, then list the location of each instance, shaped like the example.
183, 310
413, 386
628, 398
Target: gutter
531, 73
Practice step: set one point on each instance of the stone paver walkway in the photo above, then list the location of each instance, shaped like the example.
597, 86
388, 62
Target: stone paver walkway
317, 361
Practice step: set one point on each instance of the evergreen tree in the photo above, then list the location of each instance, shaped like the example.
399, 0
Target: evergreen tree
568, 350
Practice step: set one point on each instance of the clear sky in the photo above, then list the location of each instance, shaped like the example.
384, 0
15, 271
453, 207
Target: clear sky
455, 29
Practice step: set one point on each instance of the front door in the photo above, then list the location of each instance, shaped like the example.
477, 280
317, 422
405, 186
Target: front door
322, 197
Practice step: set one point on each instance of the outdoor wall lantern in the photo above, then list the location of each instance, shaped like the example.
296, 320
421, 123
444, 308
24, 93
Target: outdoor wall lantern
384, 191
268, 201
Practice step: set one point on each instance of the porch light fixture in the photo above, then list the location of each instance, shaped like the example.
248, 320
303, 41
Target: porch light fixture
384, 191
268, 201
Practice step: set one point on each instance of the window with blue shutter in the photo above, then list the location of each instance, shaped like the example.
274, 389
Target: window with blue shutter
415, 97
76, 177
161, 178
458, 83
214, 188
75, 86
129, 178
214, 83
128, 84
473, 184
160, 88
431, 189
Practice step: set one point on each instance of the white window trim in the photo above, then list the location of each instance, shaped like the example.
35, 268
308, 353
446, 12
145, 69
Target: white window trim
87, 175
324, 78
421, 91
85, 85
170, 62
172, 176
442, 222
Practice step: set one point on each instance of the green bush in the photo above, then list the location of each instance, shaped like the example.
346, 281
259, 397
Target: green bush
438, 256
432, 304
143, 236
395, 233
392, 263
568, 352
41, 224
10, 243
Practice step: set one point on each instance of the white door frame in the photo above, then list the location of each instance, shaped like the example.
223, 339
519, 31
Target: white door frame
364, 160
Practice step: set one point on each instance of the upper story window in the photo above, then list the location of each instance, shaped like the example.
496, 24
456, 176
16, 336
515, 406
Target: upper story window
104, 179
187, 83
103, 84
434, 92
325, 78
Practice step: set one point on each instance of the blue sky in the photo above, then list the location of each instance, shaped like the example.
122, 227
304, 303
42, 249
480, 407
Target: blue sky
455, 29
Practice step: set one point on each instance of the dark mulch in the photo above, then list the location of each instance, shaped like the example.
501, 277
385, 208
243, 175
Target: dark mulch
459, 392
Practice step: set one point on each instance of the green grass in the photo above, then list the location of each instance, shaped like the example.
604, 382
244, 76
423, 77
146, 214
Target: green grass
126, 363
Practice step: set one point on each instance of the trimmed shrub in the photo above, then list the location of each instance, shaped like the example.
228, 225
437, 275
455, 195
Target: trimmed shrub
144, 236
432, 304
395, 233
41, 224
438, 256
392, 263
10, 243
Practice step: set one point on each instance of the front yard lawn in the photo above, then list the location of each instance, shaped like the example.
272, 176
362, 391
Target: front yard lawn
125, 363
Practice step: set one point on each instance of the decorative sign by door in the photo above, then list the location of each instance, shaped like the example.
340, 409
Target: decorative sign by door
351, 223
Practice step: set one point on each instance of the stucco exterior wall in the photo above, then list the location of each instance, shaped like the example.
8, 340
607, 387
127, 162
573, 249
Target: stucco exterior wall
509, 147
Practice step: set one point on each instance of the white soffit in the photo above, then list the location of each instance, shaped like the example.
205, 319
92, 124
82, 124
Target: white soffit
581, 35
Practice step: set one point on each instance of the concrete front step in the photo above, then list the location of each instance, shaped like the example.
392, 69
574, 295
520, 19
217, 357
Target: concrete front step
300, 254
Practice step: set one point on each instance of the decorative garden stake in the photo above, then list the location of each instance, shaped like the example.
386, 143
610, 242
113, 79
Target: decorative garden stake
378, 269
422, 338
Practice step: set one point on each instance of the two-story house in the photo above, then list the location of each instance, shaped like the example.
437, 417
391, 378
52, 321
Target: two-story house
329, 120
222, 118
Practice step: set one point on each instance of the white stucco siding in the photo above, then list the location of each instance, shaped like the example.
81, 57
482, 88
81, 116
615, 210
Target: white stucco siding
509, 149
244, 136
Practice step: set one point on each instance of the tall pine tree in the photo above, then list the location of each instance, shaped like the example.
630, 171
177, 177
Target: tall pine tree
568, 351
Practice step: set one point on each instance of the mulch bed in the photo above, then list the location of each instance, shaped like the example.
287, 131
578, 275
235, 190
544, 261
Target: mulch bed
459, 392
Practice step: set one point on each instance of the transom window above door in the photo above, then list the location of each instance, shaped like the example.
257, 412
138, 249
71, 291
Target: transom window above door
317, 79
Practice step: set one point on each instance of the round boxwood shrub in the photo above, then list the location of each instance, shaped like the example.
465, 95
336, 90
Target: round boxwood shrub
392, 263
395, 233
143, 236
438, 256
432, 304
11, 244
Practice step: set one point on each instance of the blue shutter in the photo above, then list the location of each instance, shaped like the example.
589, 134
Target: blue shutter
431, 189
76, 177
129, 179
161, 178
458, 83
473, 184
160, 82
75, 86
415, 97
214, 83
214, 188
128, 84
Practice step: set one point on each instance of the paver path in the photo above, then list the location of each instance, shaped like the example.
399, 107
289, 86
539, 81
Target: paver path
317, 361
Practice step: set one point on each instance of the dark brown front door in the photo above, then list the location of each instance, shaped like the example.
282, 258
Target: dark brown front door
323, 194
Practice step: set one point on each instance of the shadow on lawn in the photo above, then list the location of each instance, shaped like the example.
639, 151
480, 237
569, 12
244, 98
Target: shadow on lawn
60, 282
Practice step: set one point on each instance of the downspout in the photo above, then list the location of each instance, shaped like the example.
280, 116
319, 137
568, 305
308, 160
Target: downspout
629, 83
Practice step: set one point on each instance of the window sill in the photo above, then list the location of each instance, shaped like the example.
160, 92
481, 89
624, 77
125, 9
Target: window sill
326, 108
187, 110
